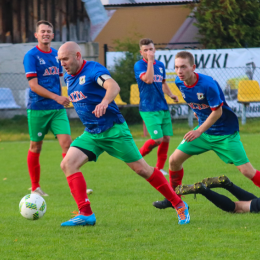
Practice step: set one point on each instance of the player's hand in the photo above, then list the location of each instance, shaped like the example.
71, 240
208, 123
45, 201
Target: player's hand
62, 100
150, 56
100, 109
175, 98
196, 116
192, 135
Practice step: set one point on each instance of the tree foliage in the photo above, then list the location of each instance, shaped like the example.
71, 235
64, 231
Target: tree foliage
123, 72
228, 23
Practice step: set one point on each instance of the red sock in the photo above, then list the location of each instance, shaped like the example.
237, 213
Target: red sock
175, 178
256, 178
63, 155
148, 147
78, 189
158, 181
162, 155
33, 163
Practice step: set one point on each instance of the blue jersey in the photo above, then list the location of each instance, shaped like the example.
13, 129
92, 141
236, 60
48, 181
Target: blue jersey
151, 95
47, 68
203, 97
85, 94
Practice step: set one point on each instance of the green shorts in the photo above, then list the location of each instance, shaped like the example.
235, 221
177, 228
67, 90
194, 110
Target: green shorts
229, 148
158, 123
41, 121
116, 141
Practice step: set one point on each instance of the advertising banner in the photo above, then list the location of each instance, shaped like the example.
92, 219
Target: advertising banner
227, 66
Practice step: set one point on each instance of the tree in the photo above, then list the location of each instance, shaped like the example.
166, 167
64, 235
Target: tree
228, 23
123, 73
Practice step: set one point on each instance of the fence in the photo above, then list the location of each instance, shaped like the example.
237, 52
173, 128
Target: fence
240, 86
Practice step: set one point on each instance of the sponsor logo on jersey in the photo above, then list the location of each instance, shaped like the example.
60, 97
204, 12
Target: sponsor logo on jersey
161, 70
51, 71
157, 78
76, 96
200, 96
82, 80
41, 60
198, 106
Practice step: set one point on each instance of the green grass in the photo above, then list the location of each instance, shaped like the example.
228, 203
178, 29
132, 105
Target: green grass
128, 226
16, 129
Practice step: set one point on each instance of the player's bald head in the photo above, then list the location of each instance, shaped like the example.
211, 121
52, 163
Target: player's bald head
70, 56
70, 47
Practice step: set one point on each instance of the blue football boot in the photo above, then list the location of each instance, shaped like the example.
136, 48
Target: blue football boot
183, 214
80, 220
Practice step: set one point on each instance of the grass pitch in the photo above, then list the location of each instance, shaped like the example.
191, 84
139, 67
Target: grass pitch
128, 226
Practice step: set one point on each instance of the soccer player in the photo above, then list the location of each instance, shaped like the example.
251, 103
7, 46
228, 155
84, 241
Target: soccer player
92, 91
218, 128
150, 76
248, 202
45, 108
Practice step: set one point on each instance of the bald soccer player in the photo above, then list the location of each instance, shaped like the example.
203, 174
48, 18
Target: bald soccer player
92, 91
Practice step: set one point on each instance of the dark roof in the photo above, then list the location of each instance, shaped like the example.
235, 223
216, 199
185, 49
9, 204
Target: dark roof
176, 2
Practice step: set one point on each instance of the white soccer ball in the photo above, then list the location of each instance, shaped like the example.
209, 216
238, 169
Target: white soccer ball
32, 206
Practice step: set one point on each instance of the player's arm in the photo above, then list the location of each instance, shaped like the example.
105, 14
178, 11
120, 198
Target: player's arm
168, 92
112, 90
211, 120
41, 91
148, 76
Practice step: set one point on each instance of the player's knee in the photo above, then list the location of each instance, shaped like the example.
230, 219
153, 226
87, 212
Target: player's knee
158, 141
166, 139
173, 161
145, 172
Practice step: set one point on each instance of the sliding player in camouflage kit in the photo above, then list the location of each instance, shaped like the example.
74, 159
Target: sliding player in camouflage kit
92, 91
247, 202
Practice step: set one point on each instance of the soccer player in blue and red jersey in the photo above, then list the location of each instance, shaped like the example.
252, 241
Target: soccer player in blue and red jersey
150, 76
45, 108
92, 91
218, 128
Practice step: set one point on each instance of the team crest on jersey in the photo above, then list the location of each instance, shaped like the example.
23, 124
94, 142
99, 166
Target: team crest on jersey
41, 60
200, 96
82, 80
57, 59
161, 70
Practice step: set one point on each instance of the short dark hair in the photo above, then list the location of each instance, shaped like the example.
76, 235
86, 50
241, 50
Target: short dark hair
185, 55
145, 41
43, 22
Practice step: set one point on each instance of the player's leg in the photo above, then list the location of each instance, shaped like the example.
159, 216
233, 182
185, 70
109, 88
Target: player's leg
221, 201
243, 206
38, 125
125, 149
164, 145
250, 172
231, 150
158, 181
82, 150
184, 151
71, 164
223, 181
152, 122
60, 127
